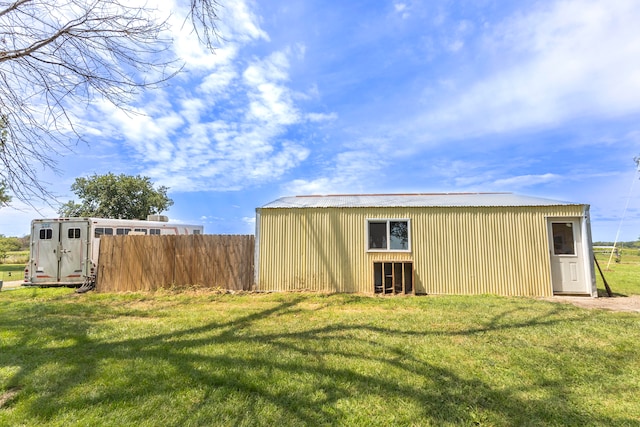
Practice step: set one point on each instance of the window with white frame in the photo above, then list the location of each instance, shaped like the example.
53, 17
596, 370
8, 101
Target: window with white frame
106, 231
388, 235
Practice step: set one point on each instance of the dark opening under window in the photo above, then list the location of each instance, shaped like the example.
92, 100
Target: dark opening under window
393, 277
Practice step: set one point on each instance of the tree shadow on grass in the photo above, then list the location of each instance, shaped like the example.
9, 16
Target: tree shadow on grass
248, 370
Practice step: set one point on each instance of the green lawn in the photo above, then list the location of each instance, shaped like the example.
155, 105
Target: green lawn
623, 277
199, 359
11, 272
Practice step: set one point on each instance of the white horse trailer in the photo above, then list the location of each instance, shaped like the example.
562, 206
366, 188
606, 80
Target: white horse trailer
64, 251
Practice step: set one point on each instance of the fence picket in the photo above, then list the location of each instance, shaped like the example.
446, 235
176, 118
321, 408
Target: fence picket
147, 263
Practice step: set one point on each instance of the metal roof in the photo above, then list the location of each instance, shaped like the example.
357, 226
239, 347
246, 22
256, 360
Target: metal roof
413, 200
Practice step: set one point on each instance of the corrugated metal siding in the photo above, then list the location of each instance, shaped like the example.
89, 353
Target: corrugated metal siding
501, 250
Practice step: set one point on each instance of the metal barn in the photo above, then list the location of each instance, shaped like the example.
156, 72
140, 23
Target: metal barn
462, 243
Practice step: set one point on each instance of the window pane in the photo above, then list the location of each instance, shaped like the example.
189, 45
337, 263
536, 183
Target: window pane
563, 241
378, 235
399, 235
108, 231
73, 233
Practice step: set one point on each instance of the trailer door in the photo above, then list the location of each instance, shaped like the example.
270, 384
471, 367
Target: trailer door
73, 251
59, 252
45, 240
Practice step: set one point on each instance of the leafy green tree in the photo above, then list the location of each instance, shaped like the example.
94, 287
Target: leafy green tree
8, 244
116, 196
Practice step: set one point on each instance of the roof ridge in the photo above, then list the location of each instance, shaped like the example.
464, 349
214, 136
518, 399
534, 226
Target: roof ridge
404, 194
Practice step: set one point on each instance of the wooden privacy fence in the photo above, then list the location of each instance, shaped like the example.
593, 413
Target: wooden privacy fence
135, 263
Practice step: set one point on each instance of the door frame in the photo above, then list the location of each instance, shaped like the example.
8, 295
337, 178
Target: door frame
583, 250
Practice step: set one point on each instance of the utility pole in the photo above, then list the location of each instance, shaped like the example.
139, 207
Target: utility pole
637, 162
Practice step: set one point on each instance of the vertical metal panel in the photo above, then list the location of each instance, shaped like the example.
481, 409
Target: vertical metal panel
461, 250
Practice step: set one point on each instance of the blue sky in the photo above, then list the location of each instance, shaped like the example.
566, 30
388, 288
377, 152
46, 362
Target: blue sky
316, 97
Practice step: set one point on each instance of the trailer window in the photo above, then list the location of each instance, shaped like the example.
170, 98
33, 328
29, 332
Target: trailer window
73, 233
154, 231
103, 230
122, 231
46, 234
196, 231
140, 230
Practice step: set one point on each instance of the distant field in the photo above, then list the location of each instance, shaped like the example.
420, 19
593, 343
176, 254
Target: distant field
17, 257
11, 272
13, 265
623, 277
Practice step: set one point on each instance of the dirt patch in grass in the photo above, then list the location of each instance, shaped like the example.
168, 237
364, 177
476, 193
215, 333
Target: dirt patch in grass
615, 303
7, 396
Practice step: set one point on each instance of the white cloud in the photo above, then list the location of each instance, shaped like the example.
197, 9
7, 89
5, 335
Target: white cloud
351, 172
321, 117
221, 124
567, 59
526, 180
237, 26
244, 22
270, 100
323, 185
215, 84
402, 9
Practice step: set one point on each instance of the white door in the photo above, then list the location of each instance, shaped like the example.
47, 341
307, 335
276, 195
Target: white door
567, 258
59, 252
45, 237
73, 251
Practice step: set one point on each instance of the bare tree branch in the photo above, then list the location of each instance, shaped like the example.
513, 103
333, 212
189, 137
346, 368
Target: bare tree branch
60, 54
204, 17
